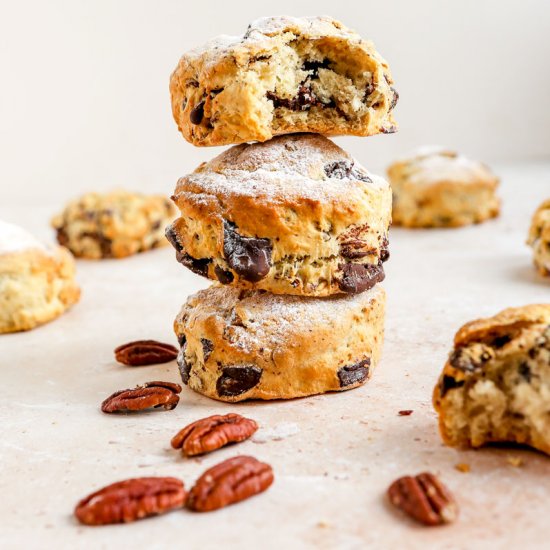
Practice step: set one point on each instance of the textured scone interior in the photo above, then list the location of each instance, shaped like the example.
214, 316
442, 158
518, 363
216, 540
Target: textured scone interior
496, 388
284, 75
539, 237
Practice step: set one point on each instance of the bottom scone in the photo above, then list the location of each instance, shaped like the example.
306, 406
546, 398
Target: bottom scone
240, 344
36, 283
495, 386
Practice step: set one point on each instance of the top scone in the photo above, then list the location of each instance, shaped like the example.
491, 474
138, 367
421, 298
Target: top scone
294, 215
284, 75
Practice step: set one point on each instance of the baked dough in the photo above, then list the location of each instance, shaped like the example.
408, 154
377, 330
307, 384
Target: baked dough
113, 225
285, 75
294, 215
439, 188
36, 283
539, 238
241, 344
495, 386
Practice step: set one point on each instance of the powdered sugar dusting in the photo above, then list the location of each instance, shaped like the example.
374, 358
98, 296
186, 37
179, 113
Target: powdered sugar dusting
15, 239
286, 167
432, 164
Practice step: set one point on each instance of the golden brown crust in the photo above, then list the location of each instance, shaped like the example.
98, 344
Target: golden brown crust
284, 75
36, 286
495, 386
316, 212
439, 188
239, 345
114, 224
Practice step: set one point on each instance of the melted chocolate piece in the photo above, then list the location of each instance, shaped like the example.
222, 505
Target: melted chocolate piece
207, 347
103, 242
197, 113
384, 250
249, 257
196, 265
345, 169
303, 101
359, 277
314, 66
225, 277
394, 99
351, 374
183, 366
237, 380
449, 383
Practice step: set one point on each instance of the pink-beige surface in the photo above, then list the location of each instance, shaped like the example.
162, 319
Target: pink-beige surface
333, 455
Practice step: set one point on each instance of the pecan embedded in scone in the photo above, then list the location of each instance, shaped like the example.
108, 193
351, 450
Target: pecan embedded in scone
435, 187
242, 344
539, 238
495, 386
285, 75
113, 225
295, 215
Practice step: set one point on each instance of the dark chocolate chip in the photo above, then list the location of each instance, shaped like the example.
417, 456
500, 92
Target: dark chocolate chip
62, 237
314, 66
181, 340
525, 372
249, 257
103, 242
237, 380
351, 374
384, 250
359, 277
345, 169
501, 341
196, 265
197, 113
449, 383
207, 347
304, 100
183, 366
225, 277
394, 99
389, 130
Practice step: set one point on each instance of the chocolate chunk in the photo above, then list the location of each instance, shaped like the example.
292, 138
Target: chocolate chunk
449, 383
196, 265
225, 277
103, 242
249, 257
501, 341
314, 66
345, 169
237, 380
181, 340
389, 130
351, 374
525, 372
197, 113
359, 277
62, 237
394, 99
183, 366
207, 347
384, 250
304, 100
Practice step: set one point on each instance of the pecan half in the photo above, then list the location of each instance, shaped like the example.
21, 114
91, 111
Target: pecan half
424, 498
130, 500
147, 396
145, 352
212, 433
229, 482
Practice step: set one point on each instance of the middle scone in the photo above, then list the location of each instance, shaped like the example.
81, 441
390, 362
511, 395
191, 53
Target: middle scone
293, 215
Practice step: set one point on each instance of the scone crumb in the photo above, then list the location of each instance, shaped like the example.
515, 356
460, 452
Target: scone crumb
514, 461
463, 467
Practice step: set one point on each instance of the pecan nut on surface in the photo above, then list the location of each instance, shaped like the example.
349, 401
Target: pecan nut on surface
145, 352
424, 498
212, 433
229, 482
146, 396
131, 500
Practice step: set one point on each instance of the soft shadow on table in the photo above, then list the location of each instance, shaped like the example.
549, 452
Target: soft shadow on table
528, 274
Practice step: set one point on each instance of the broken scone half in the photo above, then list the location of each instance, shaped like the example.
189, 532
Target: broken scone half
284, 75
495, 386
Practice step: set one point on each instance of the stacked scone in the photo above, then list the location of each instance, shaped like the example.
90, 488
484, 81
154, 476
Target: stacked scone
291, 228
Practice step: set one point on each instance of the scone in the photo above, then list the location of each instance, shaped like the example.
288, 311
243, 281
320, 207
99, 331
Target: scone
439, 188
539, 238
495, 386
36, 283
241, 344
294, 215
284, 75
113, 225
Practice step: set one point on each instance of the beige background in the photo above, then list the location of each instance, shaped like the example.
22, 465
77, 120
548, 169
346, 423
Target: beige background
84, 85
